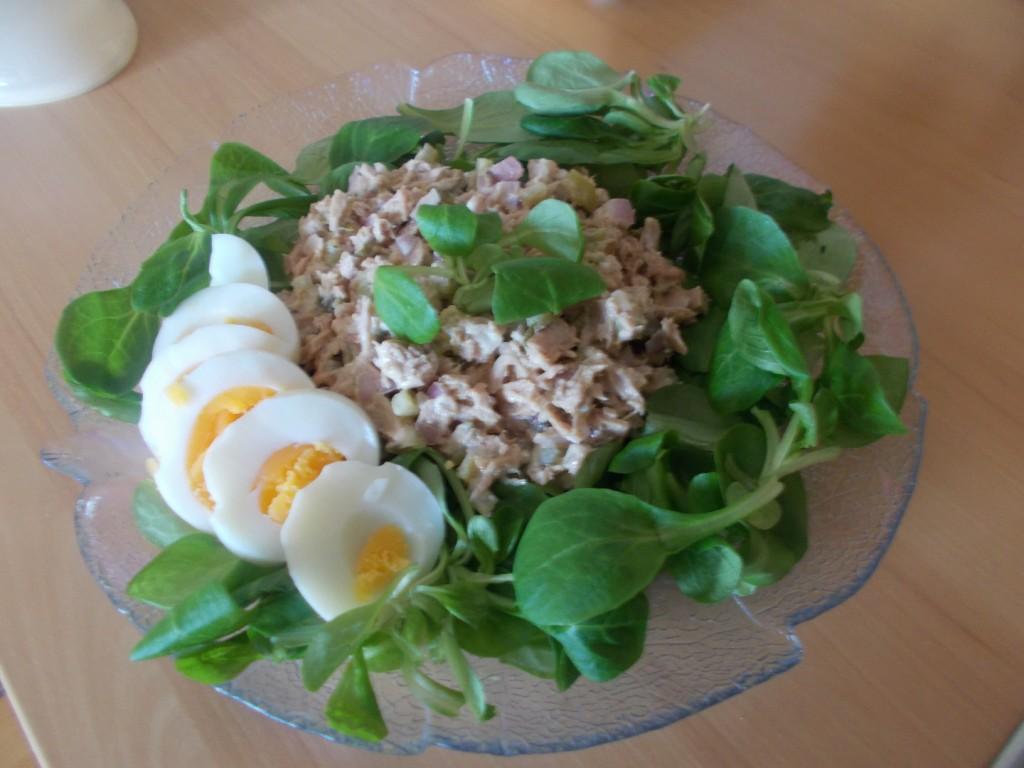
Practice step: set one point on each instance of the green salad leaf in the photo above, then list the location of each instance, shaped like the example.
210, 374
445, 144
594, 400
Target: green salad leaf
217, 663
855, 381
450, 229
496, 634
536, 658
516, 504
589, 550
747, 244
154, 519
567, 127
762, 336
436, 696
273, 241
496, 117
465, 676
352, 708
798, 211
735, 383
569, 152
707, 572
336, 641
605, 646
685, 410
174, 272
563, 577
205, 615
382, 653
566, 672
126, 406
831, 251
553, 228
186, 564
641, 452
313, 161
573, 71
235, 171
294, 207
104, 343
376, 140
403, 306
532, 286
736, 191
595, 465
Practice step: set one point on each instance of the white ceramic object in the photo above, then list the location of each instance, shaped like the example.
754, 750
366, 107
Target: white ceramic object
56, 49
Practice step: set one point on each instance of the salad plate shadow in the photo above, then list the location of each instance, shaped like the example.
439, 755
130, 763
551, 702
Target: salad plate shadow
696, 655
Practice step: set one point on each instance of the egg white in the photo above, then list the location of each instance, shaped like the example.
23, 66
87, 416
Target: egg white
236, 303
181, 357
233, 463
233, 260
332, 518
173, 427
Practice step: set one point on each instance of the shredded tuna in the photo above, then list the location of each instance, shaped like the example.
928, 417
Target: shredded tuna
508, 169
403, 365
475, 339
524, 401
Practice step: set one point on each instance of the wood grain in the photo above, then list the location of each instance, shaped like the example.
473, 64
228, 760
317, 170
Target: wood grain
14, 749
913, 110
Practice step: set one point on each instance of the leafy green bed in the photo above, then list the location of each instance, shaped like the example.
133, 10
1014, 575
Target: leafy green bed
774, 382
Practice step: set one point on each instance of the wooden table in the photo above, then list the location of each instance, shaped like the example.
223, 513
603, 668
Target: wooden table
912, 110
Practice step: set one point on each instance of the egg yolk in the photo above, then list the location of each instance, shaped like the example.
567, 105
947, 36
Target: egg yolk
222, 410
249, 324
177, 393
385, 554
287, 472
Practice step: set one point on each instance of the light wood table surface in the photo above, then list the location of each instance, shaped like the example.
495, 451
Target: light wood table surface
913, 112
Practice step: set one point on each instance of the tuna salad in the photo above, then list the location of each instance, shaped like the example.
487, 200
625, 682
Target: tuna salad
524, 400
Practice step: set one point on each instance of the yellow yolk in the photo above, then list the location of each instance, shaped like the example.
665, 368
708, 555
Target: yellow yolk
385, 554
177, 393
220, 412
249, 324
287, 472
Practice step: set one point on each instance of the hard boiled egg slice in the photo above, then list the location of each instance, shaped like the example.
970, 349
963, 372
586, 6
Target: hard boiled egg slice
234, 304
233, 260
254, 470
161, 386
354, 529
215, 394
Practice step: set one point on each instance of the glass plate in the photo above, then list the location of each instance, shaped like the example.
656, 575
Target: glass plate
696, 655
